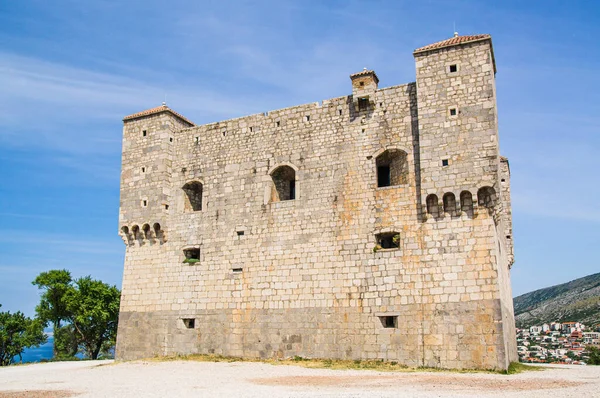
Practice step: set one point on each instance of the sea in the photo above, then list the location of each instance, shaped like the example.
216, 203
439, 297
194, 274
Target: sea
37, 354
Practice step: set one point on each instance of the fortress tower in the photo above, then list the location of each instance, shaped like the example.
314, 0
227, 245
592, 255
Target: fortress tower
374, 225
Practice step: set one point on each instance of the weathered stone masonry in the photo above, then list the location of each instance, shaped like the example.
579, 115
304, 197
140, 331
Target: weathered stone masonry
375, 225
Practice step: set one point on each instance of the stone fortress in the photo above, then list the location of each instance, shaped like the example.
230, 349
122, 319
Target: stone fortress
371, 226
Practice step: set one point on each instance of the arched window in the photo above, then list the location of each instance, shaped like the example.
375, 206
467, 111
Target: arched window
466, 203
193, 196
284, 184
135, 231
392, 168
146, 230
486, 197
449, 203
432, 205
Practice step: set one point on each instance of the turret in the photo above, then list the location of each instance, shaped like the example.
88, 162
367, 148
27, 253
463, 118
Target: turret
458, 132
148, 139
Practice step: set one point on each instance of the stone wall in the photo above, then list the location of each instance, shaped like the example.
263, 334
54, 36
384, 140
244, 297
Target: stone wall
305, 276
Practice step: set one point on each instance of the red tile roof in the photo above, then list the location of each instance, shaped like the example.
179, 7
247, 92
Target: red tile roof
453, 41
154, 111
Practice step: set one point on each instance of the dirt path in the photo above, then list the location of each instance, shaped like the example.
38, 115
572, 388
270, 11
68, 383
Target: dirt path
244, 379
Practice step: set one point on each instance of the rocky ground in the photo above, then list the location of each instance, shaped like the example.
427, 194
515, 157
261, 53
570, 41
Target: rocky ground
250, 379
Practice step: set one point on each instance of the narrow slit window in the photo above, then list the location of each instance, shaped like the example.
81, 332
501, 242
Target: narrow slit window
143, 169
144, 133
144, 203
278, 123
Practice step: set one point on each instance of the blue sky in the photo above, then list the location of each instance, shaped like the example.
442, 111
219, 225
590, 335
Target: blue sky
71, 69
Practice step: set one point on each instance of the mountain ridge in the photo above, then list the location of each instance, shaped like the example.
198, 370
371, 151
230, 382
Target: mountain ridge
577, 300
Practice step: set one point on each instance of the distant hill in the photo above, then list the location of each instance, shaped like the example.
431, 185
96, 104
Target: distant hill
578, 300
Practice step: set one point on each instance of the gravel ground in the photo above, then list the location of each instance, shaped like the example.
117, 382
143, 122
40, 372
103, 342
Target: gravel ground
250, 379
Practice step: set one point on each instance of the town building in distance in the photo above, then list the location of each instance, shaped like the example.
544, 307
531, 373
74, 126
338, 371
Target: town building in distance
371, 226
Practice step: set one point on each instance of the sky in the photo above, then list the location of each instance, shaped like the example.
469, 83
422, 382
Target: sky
70, 70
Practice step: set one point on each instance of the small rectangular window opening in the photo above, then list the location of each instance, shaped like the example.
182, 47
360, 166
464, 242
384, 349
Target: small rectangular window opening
240, 233
388, 240
144, 203
452, 111
444, 162
362, 84
251, 129
197, 140
389, 322
307, 118
189, 323
143, 169
170, 139
278, 123
192, 255
383, 176
453, 68
237, 270
166, 207
340, 112
363, 104
144, 133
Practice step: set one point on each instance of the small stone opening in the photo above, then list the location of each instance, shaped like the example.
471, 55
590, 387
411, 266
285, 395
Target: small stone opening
466, 202
237, 270
170, 139
363, 104
144, 203
444, 162
392, 168
284, 184
143, 169
193, 196
251, 129
452, 111
388, 240
144, 133
307, 118
189, 323
453, 68
192, 255
240, 233
449, 203
389, 321
278, 123
340, 112
432, 205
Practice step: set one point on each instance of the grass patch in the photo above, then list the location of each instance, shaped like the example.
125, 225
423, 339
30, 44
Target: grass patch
518, 367
345, 364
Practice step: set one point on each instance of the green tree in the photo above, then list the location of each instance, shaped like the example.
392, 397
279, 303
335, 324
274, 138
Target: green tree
593, 354
18, 332
52, 307
93, 308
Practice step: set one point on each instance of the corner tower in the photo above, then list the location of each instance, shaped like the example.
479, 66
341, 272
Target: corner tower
456, 98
